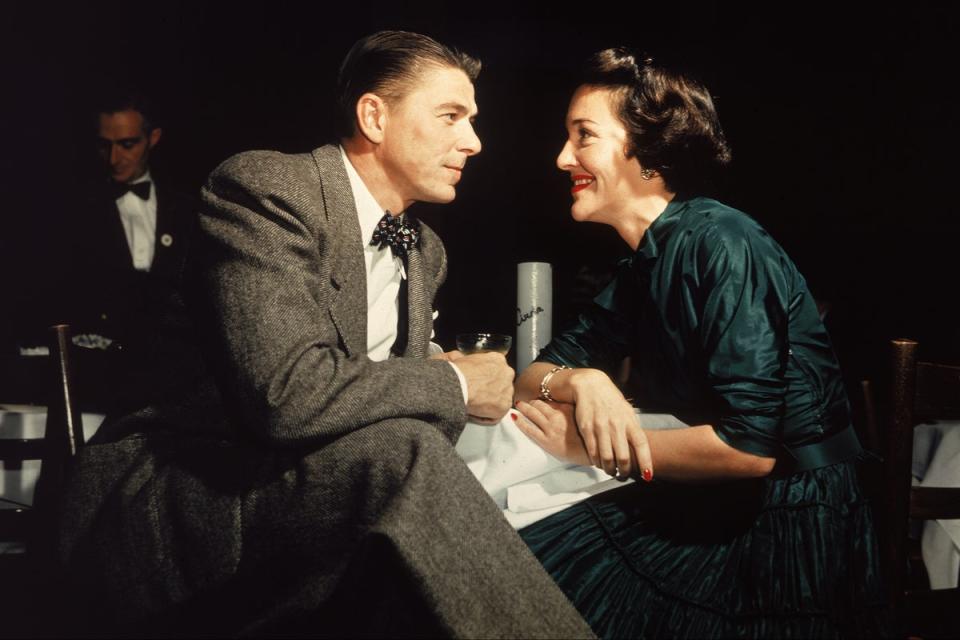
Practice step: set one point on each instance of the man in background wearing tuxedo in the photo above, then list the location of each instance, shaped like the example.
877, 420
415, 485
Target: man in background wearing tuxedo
127, 254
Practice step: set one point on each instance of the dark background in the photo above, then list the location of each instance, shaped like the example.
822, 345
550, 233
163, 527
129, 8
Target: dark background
841, 120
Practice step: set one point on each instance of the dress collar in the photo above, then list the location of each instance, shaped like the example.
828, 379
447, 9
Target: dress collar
657, 233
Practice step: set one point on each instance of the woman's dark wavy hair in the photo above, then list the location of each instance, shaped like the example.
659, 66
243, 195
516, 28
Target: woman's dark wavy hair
670, 118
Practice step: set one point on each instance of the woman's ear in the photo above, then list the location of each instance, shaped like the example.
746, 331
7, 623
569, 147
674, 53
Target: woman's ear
372, 117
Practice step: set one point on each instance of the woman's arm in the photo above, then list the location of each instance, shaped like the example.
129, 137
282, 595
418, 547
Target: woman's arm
697, 454
602, 415
690, 454
527, 386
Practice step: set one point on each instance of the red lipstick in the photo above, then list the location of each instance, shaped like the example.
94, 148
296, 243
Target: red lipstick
587, 181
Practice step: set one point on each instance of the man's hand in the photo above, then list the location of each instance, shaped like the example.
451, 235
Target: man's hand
449, 356
552, 425
489, 386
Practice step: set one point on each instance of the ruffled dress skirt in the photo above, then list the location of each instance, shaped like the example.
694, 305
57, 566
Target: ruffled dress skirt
792, 557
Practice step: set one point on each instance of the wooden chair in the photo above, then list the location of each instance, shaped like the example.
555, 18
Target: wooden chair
29, 530
920, 391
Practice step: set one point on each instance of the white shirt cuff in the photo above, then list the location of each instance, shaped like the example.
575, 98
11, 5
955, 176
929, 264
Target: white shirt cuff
463, 382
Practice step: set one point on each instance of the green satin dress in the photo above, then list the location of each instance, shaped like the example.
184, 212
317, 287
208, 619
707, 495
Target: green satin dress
722, 330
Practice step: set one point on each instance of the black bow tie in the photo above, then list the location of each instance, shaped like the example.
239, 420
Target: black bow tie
400, 233
140, 189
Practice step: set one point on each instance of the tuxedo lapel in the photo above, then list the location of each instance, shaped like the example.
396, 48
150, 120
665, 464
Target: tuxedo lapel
120, 256
170, 241
348, 308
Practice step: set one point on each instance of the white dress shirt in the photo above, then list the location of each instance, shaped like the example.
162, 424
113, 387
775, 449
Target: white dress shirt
139, 218
384, 273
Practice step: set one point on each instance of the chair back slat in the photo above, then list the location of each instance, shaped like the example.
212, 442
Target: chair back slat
899, 459
64, 423
14, 451
935, 503
937, 391
15, 523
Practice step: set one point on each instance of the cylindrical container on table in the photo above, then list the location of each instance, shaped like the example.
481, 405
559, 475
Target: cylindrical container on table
534, 310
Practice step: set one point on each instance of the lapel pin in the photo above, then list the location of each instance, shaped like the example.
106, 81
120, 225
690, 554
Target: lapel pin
166, 239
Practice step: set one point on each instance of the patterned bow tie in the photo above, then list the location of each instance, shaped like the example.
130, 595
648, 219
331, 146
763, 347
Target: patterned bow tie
140, 189
400, 233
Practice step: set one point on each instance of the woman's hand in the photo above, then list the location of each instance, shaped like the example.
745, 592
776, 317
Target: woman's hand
609, 427
552, 426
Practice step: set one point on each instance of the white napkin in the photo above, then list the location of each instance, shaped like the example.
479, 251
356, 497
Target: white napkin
525, 481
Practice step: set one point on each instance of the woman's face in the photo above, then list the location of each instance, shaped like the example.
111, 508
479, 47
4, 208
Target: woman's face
604, 180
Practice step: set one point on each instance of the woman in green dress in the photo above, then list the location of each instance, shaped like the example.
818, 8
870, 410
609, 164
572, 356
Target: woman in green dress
750, 522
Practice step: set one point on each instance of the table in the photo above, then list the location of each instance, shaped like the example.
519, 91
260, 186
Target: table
936, 463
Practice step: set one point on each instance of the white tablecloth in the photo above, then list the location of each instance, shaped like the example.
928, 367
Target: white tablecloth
525, 481
936, 463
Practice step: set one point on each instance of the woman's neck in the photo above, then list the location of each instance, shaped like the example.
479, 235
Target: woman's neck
640, 214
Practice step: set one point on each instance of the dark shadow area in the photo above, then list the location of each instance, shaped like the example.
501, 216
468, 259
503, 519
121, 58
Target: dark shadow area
841, 128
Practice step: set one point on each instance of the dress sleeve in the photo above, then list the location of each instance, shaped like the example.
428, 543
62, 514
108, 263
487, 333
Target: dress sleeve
738, 296
602, 336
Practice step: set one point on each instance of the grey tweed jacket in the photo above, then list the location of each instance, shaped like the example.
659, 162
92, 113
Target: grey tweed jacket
283, 266
350, 513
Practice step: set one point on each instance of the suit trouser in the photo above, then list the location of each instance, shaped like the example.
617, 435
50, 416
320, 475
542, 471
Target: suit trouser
381, 532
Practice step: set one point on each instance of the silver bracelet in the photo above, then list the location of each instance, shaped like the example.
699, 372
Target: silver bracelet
544, 389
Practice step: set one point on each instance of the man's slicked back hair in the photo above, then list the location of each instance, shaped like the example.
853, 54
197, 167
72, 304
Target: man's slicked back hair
387, 63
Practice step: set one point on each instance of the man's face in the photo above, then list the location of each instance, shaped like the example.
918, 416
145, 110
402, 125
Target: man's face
429, 136
124, 145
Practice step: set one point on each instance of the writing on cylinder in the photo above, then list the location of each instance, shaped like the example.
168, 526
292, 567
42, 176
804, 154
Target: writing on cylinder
534, 310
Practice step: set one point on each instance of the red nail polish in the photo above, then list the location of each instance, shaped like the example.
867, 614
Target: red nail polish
647, 475
514, 416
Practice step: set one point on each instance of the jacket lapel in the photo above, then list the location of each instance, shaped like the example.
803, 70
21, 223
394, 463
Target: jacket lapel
418, 307
167, 242
348, 277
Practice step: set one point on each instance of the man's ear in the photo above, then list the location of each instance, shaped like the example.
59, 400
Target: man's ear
154, 137
372, 117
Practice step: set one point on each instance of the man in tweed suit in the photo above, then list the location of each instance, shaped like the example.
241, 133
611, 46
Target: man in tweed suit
331, 500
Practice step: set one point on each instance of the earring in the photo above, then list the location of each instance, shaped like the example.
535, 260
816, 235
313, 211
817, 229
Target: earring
647, 174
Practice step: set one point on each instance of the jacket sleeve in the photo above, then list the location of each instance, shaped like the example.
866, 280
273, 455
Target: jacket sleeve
264, 274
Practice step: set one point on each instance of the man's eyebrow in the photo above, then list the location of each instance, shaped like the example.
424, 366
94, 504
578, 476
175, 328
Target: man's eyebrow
456, 106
